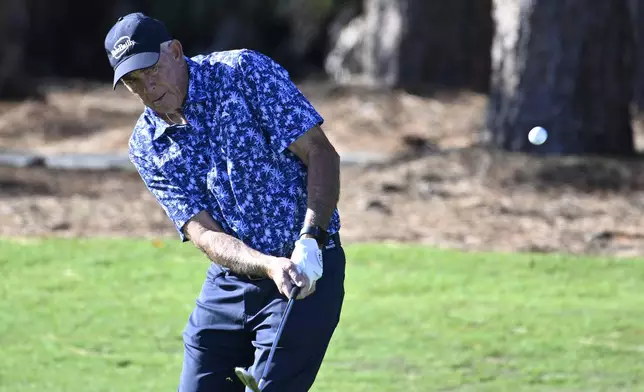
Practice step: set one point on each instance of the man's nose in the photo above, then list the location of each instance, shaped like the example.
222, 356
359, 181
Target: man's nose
149, 85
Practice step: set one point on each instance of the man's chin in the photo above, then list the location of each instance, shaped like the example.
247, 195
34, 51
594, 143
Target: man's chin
159, 108
163, 107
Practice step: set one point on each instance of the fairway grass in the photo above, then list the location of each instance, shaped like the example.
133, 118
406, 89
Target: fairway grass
107, 315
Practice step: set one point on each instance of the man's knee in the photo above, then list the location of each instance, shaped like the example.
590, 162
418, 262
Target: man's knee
300, 353
295, 371
205, 370
211, 353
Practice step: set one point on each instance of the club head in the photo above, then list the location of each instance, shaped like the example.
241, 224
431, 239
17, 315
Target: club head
247, 379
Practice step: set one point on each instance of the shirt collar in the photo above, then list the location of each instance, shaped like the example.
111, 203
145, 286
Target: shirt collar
160, 127
196, 87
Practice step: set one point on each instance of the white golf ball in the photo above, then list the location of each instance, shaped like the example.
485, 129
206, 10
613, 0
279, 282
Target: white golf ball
537, 135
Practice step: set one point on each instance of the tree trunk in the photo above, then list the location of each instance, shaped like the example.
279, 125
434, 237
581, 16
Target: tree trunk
411, 43
566, 66
636, 8
14, 24
384, 20
446, 43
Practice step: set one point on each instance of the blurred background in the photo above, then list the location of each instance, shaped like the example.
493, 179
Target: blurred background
429, 103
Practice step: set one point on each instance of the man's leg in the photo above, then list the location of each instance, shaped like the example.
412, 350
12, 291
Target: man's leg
214, 338
307, 331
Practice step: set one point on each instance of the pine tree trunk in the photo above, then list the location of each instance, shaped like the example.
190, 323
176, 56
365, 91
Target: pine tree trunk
446, 43
636, 8
14, 24
564, 65
384, 21
411, 43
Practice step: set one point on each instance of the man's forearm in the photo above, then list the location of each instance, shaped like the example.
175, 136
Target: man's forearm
232, 253
323, 187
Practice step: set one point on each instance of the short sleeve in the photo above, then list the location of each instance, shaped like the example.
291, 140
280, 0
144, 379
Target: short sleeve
175, 198
283, 111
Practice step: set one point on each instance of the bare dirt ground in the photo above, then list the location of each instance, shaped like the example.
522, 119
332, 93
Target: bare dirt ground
438, 186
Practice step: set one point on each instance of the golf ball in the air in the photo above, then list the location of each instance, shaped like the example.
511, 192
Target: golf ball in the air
537, 135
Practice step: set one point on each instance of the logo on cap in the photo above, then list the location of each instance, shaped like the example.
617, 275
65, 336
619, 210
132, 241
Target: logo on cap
121, 46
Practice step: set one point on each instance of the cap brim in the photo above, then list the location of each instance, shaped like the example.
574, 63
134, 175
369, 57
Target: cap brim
136, 62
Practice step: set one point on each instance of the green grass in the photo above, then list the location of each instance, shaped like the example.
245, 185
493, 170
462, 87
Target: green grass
106, 315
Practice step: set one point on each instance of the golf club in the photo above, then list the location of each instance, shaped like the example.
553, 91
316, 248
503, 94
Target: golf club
247, 379
243, 374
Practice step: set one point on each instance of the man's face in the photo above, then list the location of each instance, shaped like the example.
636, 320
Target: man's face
161, 87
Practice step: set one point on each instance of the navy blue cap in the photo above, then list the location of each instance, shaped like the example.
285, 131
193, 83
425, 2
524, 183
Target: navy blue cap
133, 43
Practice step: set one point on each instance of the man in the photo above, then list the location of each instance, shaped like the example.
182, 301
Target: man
235, 155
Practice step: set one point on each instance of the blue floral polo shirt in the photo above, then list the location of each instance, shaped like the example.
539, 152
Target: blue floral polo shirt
231, 159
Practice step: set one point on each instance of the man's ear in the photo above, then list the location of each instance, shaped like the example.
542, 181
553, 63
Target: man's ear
176, 49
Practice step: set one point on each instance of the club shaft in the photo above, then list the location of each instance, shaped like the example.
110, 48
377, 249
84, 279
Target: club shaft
294, 293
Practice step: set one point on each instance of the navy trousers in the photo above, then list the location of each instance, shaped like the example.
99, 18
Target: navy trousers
235, 320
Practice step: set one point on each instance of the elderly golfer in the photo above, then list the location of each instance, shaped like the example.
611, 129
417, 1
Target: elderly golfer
235, 155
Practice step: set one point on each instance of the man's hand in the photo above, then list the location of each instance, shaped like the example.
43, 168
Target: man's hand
285, 274
308, 257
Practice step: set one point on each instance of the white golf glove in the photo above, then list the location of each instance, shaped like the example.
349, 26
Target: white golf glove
307, 255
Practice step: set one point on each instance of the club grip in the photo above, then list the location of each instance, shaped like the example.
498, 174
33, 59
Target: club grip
295, 291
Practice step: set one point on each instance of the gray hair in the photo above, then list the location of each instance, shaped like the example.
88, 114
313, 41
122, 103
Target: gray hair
165, 46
